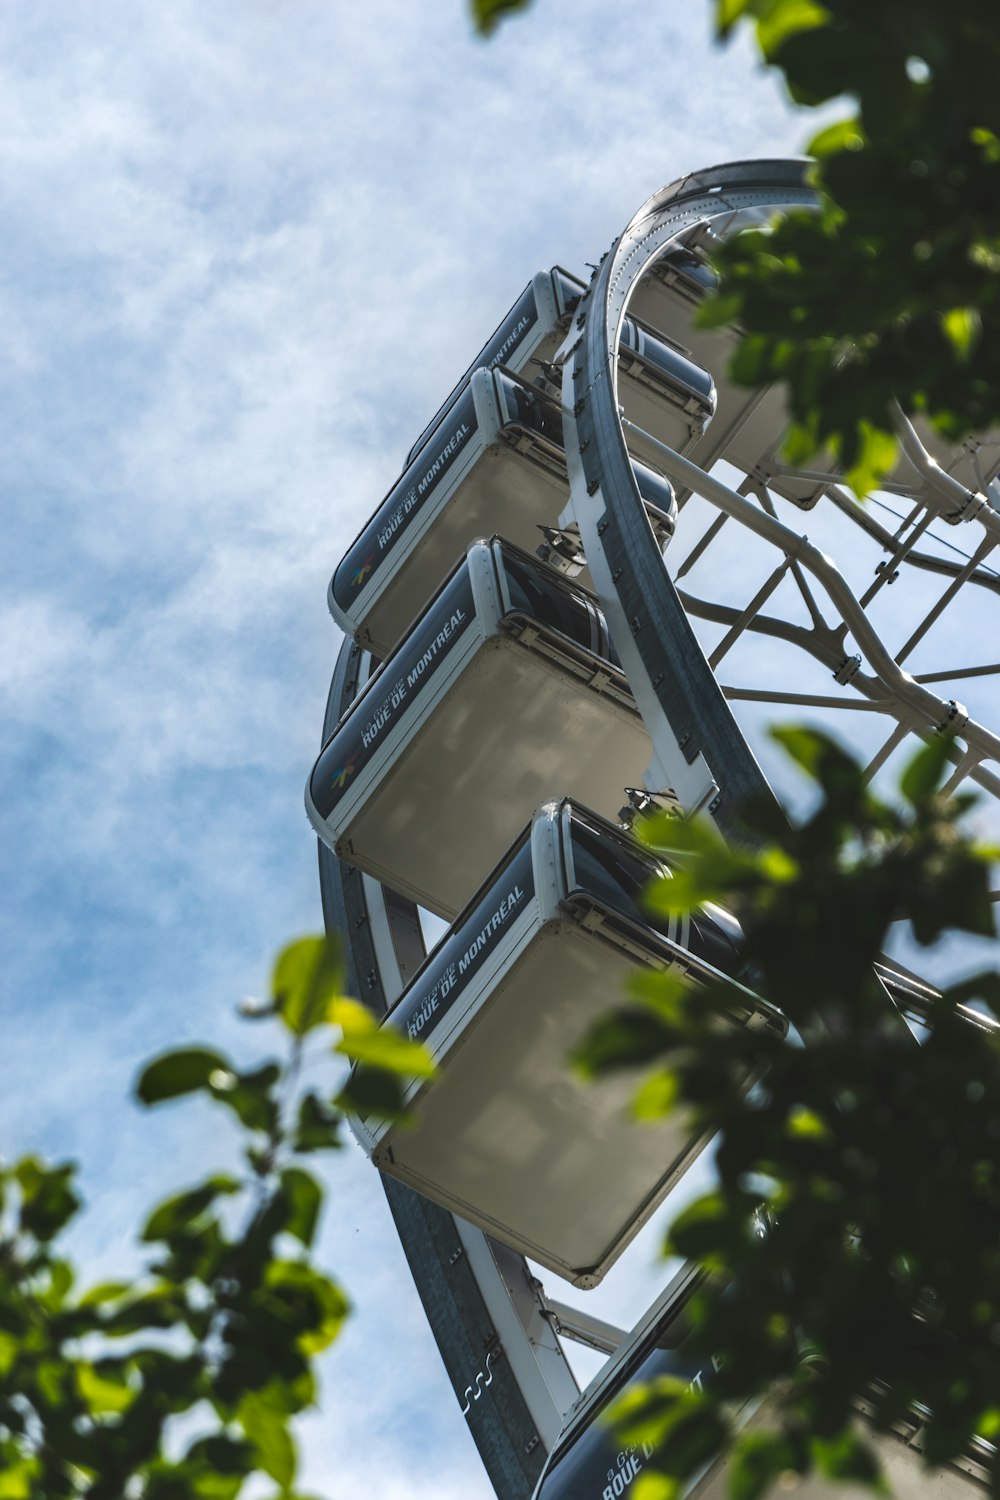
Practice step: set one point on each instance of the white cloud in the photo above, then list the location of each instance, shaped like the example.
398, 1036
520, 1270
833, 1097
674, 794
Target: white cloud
42, 643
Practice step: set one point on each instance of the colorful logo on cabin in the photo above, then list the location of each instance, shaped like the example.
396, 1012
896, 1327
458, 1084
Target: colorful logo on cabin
360, 574
339, 779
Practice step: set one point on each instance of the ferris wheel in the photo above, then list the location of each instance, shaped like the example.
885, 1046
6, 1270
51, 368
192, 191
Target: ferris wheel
590, 588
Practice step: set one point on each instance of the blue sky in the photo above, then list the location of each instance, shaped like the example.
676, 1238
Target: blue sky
248, 246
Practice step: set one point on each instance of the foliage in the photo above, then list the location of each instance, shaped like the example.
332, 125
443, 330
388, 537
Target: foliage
876, 1160
487, 14
224, 1325
891, 292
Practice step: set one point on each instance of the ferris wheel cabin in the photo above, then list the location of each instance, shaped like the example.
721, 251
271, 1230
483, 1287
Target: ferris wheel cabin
524, 343
495, 464
589, 1460
506, 1136
506, 689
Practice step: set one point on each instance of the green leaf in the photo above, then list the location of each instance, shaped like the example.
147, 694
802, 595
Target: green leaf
366, 1040
372, 1093
318, 1127
658, 1096
695, 1437
217, 1466
626, 1038
922, 775
250, 1096
777, 866
846, 135
701, 865
48, 1201
17, 1479
182, 1072
304, 1199
988, 1425
728, 12
54, 1379
963, 327
874, 457
785, 18
308, 977
848, 1457
653, 1486
178, 1213
646, 1410
10, 1350
819, 756
704, 1230
159, 1306
61, 1278
327, 1304
266, 1427
718, 310
806, 1124
669, 835
487, 14
800, 445
105, 1387
104, 1291
758, 1459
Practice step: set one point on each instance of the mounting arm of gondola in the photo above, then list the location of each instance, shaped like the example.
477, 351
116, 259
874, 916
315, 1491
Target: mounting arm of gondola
933, 712
956, 501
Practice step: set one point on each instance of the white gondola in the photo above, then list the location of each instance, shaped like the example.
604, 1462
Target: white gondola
588, 1460
525, 341
505, 690
750, 425
506, 1136
495, 463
